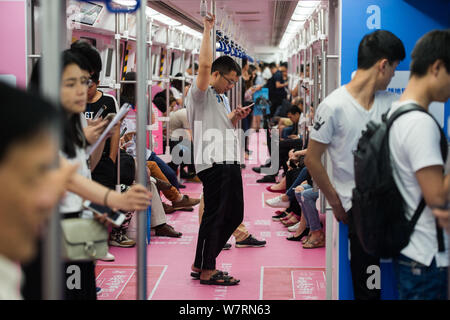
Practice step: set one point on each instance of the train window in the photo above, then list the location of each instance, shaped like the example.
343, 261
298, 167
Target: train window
109, 58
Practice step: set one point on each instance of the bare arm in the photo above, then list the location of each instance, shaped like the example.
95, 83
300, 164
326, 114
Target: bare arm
320, 176
281, 85
137, 198
114, 143
205, 58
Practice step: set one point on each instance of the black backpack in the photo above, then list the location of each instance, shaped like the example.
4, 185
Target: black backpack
378, 208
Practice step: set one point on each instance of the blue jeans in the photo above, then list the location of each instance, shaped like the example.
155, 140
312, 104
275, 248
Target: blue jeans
286, 132
298, 181
307, 200
416, 281
168, 172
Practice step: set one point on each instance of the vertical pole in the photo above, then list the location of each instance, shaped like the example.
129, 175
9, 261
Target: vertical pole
168, 62
141, 142
117, 84
213, 35
53, 34
150, 79
183, 66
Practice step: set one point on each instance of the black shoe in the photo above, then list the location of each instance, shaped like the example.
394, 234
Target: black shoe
299, 238
182, 186
267, 179
279, 216
243, 166
227, 246
250, 242
257, 169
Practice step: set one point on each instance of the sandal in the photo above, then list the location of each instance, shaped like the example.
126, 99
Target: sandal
219, 279
196, 275
312, 244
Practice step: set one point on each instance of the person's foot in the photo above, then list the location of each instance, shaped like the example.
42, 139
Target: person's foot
272, 189
250, 242
181, 186
227, 246
294, 227
267, 179
315, 241
168, 209
214, 277
122, 241
299, 235
277, 202
166, 230
185, 203
162, 185
108, 257
187, 175
279, 215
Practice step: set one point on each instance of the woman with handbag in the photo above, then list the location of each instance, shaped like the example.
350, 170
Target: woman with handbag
74, 85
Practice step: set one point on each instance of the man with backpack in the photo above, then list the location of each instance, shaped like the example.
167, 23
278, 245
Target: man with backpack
418, 149
339, 121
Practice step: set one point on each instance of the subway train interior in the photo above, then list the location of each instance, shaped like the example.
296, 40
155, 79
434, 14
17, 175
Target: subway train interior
138, 207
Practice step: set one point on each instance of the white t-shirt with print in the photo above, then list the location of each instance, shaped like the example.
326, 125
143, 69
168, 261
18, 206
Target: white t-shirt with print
339, 122
414, 143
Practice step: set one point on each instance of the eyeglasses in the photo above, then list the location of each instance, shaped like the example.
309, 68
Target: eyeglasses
230, 82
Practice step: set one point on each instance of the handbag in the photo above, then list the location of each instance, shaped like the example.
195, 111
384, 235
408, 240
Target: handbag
84, 239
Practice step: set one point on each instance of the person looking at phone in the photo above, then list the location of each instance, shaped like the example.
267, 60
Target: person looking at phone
105, 105
73, 97
218, 164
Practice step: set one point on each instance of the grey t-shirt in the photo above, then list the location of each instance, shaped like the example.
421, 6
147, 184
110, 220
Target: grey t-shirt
215, 138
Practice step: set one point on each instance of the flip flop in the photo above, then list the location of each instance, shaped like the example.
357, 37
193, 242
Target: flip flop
196, 275
219, 279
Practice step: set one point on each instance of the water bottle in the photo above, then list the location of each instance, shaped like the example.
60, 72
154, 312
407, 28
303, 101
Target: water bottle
203, 8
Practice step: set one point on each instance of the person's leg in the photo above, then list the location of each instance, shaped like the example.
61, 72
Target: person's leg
171, 194
241, 233
166, 170
359, 262
223, 212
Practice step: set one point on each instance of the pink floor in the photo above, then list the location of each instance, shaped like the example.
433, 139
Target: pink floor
282, 270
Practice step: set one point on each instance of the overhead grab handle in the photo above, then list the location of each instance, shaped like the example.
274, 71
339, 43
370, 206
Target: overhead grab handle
119, 6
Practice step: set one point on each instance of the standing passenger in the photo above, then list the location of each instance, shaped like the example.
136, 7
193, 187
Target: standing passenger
218, 167
340, 119
414, 141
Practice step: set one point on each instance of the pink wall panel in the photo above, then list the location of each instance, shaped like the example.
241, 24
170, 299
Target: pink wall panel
13, 58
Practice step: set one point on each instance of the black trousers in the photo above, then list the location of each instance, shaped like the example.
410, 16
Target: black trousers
223, 212
359, 262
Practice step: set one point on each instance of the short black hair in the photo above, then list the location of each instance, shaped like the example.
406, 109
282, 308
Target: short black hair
27, 114
380, 44
293, 109
272, 65
160, 100
176, 83
284, 64
435, 45
244, 62
195, 66
225, 65
92, 55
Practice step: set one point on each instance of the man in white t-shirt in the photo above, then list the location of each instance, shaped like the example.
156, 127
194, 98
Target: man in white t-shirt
414, 141
339, 121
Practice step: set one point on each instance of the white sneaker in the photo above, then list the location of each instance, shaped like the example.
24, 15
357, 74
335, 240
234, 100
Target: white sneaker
294, 227
277, 203
108, 257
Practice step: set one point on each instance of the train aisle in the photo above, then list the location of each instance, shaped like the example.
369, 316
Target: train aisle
282, 270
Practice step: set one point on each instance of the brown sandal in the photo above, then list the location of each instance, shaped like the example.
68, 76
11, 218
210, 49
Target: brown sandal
306, 239
312, 244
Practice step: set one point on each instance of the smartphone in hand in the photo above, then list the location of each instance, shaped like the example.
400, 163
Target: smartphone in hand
115, 217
